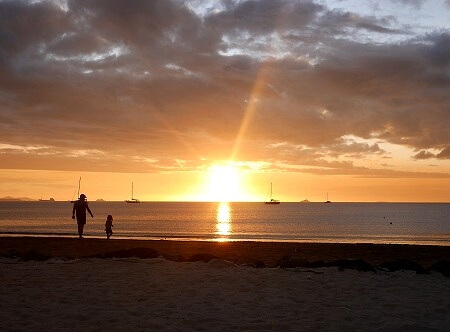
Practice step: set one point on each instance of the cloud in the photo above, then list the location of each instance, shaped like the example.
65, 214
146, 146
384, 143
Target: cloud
444, 154
338, 22
415, 3
156, 80
265, 16
424, 155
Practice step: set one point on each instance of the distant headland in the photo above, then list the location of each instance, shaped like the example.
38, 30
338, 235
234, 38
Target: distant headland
21, 199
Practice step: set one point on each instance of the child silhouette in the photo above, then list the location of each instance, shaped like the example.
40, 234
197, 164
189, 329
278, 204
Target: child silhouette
108, 226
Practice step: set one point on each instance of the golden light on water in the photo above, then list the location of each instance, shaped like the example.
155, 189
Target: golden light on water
223, 219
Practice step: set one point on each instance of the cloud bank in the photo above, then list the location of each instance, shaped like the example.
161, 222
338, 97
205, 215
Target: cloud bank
170, 85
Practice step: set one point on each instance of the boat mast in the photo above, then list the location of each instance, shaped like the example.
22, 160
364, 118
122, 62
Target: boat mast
131, 190
270, 190
79, 184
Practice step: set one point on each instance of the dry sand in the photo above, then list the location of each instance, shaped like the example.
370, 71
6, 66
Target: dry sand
157, 294
135, 294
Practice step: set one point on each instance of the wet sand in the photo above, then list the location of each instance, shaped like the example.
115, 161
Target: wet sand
238, 252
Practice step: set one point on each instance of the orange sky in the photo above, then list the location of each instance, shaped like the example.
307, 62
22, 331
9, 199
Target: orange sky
195, 186
315, 96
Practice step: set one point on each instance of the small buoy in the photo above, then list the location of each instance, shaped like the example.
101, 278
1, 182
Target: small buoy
390, 223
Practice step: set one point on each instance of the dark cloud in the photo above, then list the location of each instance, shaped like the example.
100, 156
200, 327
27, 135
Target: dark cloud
265, 16
424, 155
25, 25
147, 84
444, 154
415, 3
337, 22
438, 54
353, 149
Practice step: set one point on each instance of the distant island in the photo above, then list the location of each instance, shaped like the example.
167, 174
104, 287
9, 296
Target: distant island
51, 199
305, 201
21, 199
100, 200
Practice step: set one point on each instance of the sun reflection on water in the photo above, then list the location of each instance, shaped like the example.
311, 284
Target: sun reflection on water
223, 219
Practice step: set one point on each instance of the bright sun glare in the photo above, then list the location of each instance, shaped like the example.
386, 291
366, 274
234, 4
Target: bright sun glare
224, 183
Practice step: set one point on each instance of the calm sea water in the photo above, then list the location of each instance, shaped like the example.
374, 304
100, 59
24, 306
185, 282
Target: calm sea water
415, 223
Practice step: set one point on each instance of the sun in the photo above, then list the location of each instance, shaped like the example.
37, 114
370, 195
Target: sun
228, 181
224, 183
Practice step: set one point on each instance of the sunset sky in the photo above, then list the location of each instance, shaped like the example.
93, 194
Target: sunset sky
214, 100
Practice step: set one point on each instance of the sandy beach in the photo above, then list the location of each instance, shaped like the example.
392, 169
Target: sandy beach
237, 252
68, 291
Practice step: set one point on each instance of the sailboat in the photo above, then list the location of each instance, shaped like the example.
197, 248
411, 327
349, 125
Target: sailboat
78, 192
272, 201
327, 201
132, 200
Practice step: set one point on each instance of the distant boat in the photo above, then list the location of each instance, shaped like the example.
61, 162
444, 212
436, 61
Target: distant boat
78, 192
327, 201
47, 200
272, 201
132, 200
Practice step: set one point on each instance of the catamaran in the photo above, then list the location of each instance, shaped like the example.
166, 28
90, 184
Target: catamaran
132, 200
272, 201
327, 201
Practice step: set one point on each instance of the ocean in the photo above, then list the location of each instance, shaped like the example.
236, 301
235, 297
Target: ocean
404, 223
